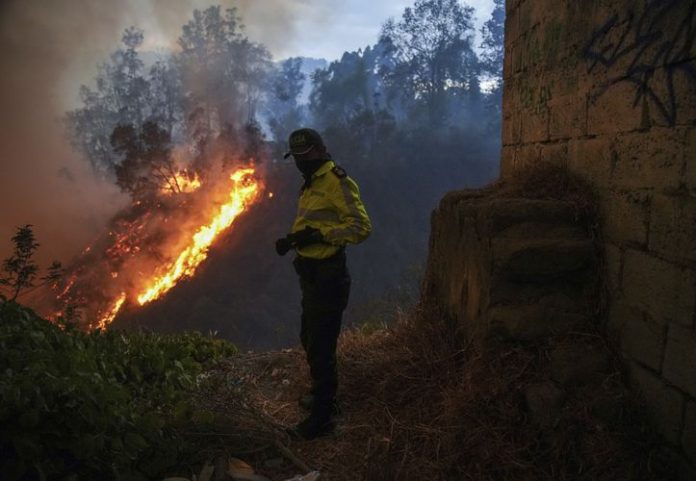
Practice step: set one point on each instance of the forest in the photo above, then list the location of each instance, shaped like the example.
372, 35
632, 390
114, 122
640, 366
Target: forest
410, 117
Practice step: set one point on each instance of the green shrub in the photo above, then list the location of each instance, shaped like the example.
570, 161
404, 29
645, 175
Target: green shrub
100, 405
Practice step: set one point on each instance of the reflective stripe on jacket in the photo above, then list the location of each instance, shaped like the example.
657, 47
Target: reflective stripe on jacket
331, 204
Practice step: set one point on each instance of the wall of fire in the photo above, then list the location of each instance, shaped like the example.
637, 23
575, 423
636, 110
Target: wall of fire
608, 87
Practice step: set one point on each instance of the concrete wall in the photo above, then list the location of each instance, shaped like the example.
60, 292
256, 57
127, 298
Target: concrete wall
608, 87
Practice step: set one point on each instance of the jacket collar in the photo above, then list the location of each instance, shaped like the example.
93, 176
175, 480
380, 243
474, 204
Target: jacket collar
325, 167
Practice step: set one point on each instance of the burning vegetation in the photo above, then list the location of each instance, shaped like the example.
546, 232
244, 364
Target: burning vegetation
152, 245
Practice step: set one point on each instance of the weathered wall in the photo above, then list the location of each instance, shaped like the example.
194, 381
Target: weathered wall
608, 87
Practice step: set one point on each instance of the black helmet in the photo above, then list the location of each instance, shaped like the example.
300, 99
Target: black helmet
302, 141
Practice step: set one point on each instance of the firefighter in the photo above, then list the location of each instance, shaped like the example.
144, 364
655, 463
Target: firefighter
330, 215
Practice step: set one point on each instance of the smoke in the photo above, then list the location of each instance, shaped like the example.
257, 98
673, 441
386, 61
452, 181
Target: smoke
50, 48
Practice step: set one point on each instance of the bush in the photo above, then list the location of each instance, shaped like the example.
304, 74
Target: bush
100, 405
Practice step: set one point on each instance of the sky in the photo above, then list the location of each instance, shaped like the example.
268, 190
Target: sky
51, 47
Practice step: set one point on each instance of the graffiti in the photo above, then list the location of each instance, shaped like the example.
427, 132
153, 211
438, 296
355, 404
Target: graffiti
661, 35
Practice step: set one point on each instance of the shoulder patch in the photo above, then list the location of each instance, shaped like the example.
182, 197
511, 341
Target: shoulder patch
339, 172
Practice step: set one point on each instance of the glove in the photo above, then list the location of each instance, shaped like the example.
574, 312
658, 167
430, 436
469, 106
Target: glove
282, 246
305, 237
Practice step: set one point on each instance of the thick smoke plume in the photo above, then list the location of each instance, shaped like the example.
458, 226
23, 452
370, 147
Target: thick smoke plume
50, 48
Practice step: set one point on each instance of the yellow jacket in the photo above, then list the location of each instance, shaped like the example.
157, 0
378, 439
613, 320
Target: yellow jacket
331, 204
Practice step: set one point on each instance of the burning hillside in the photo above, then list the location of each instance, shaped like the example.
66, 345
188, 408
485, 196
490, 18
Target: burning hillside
153, 244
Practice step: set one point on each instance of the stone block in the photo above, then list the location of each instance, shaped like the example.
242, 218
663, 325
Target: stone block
554, 153
531, 322
649, 160
665, 404
689, 434
643, 340
671, 94
575, 364
541, 260
679, 366
512, 125
666, 291
544, 402
613, 256
567, 117
673, 227
592, 159
526, 155
690, 160
534, 124
625, 217
611, 109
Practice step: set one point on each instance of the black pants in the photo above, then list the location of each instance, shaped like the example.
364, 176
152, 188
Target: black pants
325, 285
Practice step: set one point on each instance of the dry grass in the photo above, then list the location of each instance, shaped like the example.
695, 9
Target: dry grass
417, 407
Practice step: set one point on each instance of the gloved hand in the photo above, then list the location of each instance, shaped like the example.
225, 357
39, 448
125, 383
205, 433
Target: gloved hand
282, 246
305, 237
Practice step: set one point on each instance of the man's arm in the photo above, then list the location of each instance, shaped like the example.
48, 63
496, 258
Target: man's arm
354, 224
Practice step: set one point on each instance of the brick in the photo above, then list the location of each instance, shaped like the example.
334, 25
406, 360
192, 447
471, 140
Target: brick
535, 125
680, 358
643, 340
567, 117
613, 256
526, 155
673, 82
556, 153
664, 290
610, 110
673, 227
511, 129
689, 434
665, 404
592, 159
625, 217
652, 159
690, 160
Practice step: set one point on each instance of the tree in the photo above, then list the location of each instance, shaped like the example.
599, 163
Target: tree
146, 165
285, 86
20, 269
432, 53
493, 33
120, 97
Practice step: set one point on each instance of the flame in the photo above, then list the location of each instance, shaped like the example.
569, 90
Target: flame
244, 191
111, 314
182, 182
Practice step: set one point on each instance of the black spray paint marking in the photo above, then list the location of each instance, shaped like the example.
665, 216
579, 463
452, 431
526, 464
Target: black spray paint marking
657, 37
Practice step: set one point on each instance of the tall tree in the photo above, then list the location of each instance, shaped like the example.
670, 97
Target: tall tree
493, 44
120, 97
432, 53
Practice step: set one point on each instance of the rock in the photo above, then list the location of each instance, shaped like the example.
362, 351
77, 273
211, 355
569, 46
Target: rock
577, 363
544, 402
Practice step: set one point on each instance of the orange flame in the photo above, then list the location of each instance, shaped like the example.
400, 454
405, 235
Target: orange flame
244, 191
182, 182
111, 314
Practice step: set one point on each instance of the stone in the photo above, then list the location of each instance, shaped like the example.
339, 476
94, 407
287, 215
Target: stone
625, 217
690, 160
530, 322
664, 403
665, 290
643, 340
673, 227
544, 402
577, 364
541, 260
592, 159
567, 117
679, 366
649, 160
554, 153
613, 256
610, 109
689, 434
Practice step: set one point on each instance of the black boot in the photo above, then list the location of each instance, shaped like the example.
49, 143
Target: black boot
313, 426
306, 402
